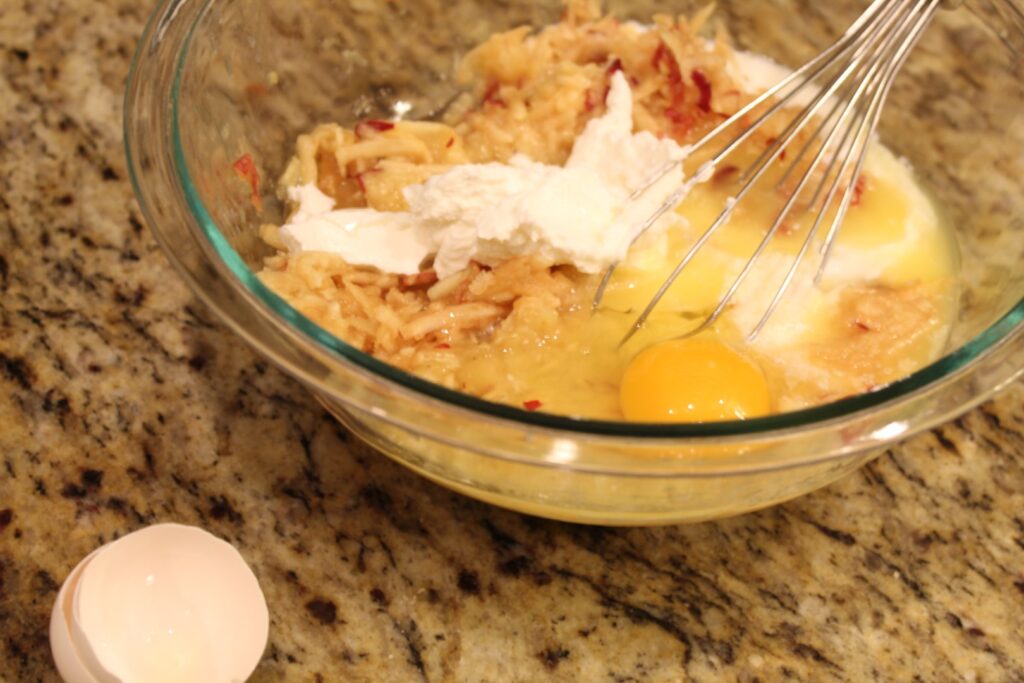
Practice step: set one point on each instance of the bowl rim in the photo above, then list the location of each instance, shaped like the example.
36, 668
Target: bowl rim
929, 378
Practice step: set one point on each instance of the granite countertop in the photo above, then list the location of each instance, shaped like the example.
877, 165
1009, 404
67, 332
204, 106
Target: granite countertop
123, 403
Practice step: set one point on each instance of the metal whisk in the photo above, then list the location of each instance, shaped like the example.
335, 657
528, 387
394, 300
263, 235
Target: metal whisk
846, 86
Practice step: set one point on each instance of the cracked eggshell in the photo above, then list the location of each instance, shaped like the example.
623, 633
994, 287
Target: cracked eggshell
65, 655
166, 603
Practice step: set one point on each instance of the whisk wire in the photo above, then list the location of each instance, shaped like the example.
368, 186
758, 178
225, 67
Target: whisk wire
1006, 19
801, 77
931, 6
843, 79
874, 48
787, 208
808, 71
889, 17
852, 105
867, 118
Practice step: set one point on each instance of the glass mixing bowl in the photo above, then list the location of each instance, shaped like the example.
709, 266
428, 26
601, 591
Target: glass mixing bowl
213, 81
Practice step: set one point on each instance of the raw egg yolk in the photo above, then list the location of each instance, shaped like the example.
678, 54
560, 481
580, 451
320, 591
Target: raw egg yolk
693, 380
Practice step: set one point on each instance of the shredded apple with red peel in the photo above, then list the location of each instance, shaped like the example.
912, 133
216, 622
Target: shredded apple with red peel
491, 95
246, 170
255, 89
424, 279
858, 191
368, 128
704, 86
664, 62
724, 174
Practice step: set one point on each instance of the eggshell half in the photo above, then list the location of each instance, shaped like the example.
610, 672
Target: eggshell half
168, 603
65, 655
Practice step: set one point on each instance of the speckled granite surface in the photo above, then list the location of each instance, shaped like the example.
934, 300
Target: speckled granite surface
123, 403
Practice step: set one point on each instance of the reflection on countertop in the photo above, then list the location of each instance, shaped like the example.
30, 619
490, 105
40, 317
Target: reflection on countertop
123, 403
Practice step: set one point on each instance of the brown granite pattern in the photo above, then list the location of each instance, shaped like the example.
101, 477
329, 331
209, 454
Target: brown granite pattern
123, 403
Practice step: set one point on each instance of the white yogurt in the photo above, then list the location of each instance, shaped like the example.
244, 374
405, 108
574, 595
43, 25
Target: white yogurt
579, 214
393, 242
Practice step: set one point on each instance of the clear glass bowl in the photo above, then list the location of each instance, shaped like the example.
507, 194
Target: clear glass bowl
215, 80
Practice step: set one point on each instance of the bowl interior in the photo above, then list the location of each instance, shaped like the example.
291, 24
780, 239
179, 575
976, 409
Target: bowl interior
256, 74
